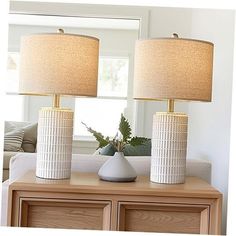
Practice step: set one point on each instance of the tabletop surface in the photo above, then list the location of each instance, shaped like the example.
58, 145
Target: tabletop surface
90, 182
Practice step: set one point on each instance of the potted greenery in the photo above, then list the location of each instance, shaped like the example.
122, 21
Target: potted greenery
117, 168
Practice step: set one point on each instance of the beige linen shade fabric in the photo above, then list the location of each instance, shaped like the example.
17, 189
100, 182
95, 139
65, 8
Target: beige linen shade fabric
63, 64
173, 68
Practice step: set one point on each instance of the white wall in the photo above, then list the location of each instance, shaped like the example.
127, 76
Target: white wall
231, 206
209, 123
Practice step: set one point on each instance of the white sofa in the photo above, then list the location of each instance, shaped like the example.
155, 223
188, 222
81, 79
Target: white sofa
23, 162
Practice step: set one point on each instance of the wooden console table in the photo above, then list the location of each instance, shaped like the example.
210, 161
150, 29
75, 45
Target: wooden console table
85, 202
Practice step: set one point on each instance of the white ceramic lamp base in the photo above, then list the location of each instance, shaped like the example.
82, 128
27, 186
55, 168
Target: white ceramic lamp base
54, 145
169, 144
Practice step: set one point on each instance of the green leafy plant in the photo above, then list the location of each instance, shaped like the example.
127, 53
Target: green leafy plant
122, 137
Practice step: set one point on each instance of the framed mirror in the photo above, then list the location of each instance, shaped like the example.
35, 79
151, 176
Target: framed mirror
118, 29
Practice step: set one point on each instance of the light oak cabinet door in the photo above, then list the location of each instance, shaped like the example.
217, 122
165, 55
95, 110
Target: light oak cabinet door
165, 218
65, 214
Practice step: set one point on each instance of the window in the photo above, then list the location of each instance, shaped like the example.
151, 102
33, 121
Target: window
14, 103
103, 113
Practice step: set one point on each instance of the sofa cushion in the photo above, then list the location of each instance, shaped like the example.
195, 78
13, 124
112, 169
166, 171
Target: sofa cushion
30, 137
13, 125
6, 158
5, 175
13, 140
9, 126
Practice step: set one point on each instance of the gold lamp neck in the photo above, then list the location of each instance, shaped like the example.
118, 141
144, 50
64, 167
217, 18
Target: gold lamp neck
171, 105
56, 101
56, 97
171, 102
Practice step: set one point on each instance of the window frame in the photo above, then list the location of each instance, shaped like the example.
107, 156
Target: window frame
128, 98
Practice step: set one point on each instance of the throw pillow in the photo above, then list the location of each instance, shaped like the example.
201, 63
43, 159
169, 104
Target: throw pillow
9, 127
13, 140
30, 137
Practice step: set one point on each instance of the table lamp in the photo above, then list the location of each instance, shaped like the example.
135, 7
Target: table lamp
171, 69
57, 64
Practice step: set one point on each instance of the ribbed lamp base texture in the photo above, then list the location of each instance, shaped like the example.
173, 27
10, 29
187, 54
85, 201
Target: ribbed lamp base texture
54, 145
169, 145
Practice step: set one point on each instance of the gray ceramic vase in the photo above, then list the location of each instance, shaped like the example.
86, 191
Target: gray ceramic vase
117, 169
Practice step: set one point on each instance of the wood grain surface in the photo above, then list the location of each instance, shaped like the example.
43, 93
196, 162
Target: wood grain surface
70, 217
165, 218
85, 202
89, 182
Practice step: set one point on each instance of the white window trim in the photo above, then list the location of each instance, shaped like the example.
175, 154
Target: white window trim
111, 54
131, 109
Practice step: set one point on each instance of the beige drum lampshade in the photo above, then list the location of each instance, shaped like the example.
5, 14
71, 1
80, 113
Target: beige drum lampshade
63, 64
173, 68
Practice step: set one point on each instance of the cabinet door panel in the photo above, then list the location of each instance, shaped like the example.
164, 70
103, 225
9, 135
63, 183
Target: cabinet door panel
65, 214
165, 218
